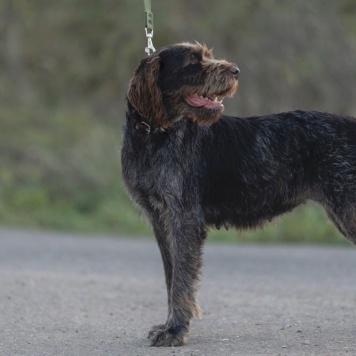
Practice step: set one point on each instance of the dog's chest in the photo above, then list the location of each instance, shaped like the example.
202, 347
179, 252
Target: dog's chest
157, 171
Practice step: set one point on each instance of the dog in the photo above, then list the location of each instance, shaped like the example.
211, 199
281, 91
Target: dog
188, 166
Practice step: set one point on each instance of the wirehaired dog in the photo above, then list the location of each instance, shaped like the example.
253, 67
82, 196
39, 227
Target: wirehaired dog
189, 167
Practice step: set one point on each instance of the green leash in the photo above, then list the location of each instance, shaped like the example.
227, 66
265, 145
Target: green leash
148, 26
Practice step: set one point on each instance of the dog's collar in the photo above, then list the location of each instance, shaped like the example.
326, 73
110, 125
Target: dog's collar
141, 124
149, 129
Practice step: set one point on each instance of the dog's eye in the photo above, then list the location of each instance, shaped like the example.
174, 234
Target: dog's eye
194, 59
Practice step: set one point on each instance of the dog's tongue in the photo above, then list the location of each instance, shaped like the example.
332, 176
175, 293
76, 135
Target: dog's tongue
200, 101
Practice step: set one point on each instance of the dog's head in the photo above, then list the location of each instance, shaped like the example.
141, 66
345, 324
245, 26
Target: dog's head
182, 80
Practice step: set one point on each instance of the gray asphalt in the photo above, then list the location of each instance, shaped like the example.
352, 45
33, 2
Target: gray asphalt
95, 295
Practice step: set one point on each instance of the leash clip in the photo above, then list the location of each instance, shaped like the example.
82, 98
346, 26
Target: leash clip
149, 47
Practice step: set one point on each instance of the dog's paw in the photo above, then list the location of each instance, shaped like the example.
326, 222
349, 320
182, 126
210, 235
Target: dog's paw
160, 335
154, 329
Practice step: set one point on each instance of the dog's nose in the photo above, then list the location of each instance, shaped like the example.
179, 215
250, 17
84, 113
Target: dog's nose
234, 70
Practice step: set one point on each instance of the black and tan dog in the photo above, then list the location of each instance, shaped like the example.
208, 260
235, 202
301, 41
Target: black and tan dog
187, 166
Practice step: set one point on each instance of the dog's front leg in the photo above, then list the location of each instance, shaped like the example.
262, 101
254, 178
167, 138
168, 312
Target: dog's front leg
162, 238
186, 236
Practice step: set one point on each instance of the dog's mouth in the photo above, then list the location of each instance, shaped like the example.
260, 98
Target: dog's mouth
206, 101
213, 101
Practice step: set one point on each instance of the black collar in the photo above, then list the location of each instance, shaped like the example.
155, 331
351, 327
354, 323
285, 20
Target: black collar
140, 123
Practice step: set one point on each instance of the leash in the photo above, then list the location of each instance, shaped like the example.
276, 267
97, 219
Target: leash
140, 124
148, 26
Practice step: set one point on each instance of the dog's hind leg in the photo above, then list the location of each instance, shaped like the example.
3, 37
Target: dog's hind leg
345, 221
337, 222
186, 237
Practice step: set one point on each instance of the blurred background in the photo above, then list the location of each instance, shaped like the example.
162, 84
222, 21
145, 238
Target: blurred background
64, 71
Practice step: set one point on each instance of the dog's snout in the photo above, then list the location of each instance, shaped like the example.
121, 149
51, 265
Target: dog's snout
234, 70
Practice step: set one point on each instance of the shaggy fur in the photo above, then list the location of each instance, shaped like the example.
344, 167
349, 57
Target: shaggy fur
187, 166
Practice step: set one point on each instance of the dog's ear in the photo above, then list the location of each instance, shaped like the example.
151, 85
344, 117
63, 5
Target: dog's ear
144, 93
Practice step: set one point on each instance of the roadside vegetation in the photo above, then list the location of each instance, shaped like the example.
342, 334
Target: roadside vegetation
64, 71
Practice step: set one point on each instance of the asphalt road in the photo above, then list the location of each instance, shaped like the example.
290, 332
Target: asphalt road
80, 295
